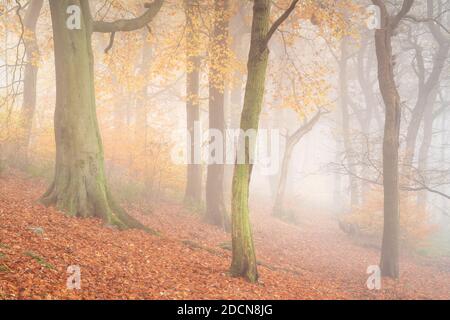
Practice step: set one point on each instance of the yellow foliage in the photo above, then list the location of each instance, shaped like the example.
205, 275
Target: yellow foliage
10, 126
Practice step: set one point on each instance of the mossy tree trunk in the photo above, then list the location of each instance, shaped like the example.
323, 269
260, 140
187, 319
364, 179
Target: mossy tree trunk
244, 259
79, 187
215, 205
391, 231
243, 252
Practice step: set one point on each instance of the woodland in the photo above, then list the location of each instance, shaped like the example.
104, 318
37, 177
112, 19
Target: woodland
224, 149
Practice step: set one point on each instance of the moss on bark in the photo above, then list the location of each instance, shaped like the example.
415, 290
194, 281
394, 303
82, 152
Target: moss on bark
243, 258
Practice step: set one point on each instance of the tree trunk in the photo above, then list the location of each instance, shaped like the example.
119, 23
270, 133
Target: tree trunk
365, 82
364, 79
426, 144
427, 86
337, 181
141, 127
425, 92
445, 141
344, 104
193, 194
79, 187
243, 256
291, 142
233, 120
278, 208
215, 206
238, 29
30, 78
391, 231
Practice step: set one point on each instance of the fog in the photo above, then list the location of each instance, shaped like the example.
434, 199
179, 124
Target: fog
334, 125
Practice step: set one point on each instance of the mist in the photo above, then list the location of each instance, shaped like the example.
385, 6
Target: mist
225, 149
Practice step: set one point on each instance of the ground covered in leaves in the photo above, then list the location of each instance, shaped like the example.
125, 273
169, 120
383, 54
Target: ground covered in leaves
189, 260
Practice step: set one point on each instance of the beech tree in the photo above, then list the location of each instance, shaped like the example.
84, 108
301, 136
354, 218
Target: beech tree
383, 41
79, 186
243, 252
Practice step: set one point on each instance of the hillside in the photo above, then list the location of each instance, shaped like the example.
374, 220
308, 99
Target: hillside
189, 260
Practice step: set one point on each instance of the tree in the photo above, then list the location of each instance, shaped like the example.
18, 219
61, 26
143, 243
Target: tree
31, 71
193, 193
243, 252
239, 28
79, 187
215, 207
291, 141
344, 104
427, 85
365, 65
388, 87
142, 107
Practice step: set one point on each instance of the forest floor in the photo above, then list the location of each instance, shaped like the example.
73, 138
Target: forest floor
190, 260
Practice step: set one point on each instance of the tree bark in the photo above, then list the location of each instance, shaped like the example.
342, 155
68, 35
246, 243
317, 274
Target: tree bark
215, 205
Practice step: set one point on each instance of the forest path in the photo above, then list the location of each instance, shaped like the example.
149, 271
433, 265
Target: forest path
313, 261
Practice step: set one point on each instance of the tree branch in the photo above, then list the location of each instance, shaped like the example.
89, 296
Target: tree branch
406, 7
303, 130
111, 42
279, 21
130, 24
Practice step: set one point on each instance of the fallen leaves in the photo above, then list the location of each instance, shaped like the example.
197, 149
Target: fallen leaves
190, 260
